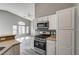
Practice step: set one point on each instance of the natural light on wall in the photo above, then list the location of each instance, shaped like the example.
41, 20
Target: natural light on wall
14, 29
21, 28
27, 29
21, 23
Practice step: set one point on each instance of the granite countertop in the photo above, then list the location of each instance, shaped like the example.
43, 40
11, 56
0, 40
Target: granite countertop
7, 35
8, 44
52, 38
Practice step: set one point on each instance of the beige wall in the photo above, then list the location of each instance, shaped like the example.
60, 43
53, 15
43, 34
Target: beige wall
43, 9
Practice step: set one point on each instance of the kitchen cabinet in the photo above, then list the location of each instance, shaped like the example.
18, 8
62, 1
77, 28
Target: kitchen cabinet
64, 42
39, 19
53, 22
65, 18
35, 24
65, 32
63, 23
33, 27
14, 50
45, 18
42, 19
51, 47
32, 42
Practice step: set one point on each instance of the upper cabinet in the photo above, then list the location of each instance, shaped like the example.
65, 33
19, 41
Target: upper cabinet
46, 18
65, 18
53, 22
39, 19
35, 23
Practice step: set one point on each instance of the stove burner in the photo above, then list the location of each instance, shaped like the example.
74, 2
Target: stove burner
42, 36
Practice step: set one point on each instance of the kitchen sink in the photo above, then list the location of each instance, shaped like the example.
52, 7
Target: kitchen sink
1, 48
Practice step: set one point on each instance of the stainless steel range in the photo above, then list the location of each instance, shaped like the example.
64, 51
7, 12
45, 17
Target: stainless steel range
40, 43
40, 37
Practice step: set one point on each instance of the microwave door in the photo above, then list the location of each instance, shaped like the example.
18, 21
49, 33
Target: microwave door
40, 24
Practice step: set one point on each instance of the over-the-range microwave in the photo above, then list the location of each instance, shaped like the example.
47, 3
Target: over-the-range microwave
42, 25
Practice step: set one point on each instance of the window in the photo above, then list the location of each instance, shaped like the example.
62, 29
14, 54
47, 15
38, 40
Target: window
21, 23
21, 27
14, 29
27, 29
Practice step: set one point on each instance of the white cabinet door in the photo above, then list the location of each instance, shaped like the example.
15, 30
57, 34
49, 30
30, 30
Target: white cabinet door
39, 19
50, 47
65, 42
65, 18
35, 24
32, 28
32, 42
46, 18
53, 23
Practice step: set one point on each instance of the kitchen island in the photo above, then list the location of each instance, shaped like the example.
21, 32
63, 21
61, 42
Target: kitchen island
11, 46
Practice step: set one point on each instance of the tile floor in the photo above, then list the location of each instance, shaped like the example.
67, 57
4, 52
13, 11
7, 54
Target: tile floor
25, 47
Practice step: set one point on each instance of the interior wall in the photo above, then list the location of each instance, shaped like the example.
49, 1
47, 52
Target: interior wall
44, 9
7, 20
25, 10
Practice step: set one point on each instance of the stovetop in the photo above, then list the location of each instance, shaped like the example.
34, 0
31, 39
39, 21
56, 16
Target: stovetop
42, 36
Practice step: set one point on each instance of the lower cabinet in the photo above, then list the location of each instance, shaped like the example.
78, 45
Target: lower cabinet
14, 50
32, 42
65, 42
51, 47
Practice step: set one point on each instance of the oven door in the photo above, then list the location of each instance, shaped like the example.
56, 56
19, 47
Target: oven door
40, 44
36, 43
